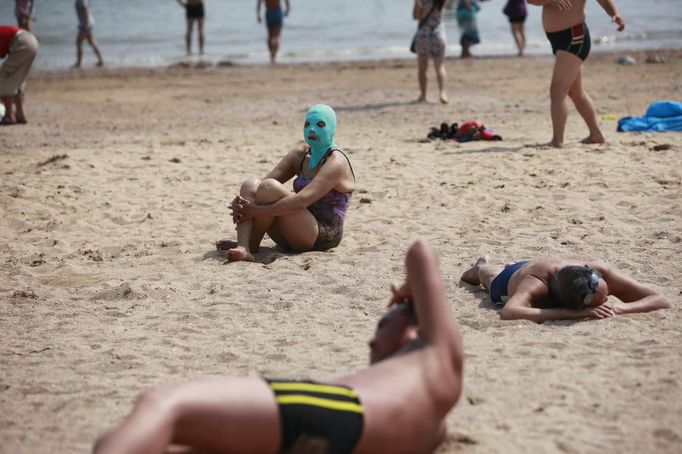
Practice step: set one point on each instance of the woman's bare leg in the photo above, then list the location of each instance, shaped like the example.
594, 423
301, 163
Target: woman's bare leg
422, 66
214, 415
296, 230
441, 74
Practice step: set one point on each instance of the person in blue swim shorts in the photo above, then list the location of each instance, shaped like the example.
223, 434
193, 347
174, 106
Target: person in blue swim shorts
561, 288
274, 19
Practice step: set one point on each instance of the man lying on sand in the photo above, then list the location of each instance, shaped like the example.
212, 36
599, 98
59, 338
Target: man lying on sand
560, 288
400, 401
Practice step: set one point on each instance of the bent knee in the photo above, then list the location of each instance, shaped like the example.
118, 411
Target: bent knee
249, 186
270, 190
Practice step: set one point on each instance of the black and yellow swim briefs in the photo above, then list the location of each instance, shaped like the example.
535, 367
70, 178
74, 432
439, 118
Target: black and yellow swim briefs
323, 418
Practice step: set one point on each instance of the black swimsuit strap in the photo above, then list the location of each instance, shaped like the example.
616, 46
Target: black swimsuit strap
324, 159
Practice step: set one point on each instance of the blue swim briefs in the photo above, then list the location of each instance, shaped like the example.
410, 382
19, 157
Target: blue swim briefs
498, 287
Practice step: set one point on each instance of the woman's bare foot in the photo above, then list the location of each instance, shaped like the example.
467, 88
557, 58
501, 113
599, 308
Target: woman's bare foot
224, 245
470, 276
422, 98
443, 98
239, 254
555, 144
594, 138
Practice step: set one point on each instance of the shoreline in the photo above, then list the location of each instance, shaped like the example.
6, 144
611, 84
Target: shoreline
210, 65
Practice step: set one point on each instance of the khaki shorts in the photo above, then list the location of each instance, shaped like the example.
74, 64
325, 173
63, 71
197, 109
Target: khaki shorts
14, 70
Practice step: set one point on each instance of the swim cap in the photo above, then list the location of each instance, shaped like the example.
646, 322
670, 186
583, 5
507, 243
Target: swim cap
319, 114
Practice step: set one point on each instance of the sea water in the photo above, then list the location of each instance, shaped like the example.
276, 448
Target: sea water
151, 32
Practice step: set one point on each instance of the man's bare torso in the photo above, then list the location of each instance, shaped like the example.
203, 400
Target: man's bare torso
555, 19
544, 268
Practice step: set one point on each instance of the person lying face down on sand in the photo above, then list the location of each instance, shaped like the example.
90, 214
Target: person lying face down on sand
561, 288
398, 404
308, 219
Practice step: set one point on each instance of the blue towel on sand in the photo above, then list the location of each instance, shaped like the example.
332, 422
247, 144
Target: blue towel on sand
661, 116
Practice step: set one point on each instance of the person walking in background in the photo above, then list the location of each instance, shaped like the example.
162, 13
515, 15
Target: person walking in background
516, 11
85, 24
564, 24
20, 48
195, 13
466, 19
23, 11
274, 19
430, 42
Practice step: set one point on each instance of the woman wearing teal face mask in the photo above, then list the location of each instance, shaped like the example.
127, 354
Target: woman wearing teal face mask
311, 217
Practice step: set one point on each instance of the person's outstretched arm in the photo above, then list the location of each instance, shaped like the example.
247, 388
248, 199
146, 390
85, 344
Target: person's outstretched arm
612, 10
287, 7
636, 297
561, 4
182, 2
417, 10
530, 289
258, 3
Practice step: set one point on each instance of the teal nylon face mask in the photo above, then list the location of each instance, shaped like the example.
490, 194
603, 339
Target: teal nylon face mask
318, 132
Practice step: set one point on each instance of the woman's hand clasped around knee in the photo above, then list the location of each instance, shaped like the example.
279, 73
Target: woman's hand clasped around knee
242, 209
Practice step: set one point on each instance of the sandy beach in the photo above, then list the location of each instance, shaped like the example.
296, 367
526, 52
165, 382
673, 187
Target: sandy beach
112, 197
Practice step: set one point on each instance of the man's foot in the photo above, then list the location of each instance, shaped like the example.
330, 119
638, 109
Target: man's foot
21, 120
239, 254
470, 276
594, 138
422, 98
443, 98
6, 121
100, 63
555, 144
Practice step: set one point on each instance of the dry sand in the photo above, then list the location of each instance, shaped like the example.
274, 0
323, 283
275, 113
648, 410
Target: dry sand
112, 197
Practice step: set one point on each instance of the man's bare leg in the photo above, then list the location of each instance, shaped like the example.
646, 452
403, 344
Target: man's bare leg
188, 35
19, 108
584, 106
214, 415
8, 102
482, 272
566, 69
79, 49
273, 43
201, 35
95, 48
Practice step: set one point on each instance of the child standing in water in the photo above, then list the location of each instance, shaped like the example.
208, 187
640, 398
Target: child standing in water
564, 24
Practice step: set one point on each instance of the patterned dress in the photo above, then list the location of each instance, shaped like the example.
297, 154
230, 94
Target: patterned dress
430, 40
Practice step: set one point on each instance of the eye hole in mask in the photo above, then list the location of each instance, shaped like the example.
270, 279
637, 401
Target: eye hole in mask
321, 124
306, 124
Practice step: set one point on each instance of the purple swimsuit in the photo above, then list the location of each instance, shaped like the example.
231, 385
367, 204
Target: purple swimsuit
329, 211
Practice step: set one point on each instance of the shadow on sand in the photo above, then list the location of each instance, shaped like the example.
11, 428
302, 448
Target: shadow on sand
264, 256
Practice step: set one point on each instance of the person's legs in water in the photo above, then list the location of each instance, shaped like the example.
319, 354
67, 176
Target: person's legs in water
519, 34
273, 42
422, 66
566, 70
79, 49
188, 35
201, 35
481, 272
297, 231
441, 74
95, 48
211, 415
584, 106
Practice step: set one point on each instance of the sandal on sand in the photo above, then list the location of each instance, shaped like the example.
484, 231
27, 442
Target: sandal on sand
7, 122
